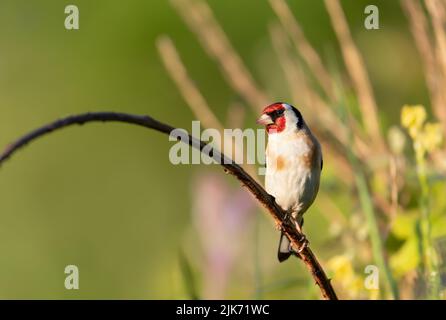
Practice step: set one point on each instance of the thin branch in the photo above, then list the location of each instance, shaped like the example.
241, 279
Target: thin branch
229, 165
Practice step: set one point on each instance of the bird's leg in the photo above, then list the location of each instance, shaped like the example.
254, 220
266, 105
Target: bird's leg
304, 241
278, 224
292, 215
287, 217
299, 221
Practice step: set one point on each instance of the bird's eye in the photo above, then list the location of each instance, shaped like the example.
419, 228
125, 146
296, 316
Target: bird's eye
276, 114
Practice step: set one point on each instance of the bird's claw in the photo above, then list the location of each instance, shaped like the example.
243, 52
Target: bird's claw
288, 215
304, 244
286, 218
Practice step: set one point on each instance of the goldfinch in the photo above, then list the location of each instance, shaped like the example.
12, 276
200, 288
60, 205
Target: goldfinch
293, 165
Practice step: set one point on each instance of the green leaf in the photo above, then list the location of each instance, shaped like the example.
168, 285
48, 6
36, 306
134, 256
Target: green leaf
188, 277
404, 226
438, 227
406, 258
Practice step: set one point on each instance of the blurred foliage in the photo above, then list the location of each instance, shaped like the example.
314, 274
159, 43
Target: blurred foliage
106, 198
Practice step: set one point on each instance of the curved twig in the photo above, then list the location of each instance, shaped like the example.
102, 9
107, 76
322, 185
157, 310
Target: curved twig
230, 167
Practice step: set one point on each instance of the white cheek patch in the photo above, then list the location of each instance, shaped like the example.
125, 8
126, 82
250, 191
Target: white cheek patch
291, 120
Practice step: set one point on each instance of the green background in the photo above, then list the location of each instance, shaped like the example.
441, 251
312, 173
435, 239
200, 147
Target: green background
105, 197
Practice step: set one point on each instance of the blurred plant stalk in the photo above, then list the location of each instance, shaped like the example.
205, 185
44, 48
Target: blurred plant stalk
352, 137
222, 215
426, 137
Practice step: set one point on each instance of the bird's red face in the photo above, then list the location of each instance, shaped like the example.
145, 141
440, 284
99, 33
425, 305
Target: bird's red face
273, 118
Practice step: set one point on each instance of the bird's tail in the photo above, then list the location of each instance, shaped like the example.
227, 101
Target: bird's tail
284, 251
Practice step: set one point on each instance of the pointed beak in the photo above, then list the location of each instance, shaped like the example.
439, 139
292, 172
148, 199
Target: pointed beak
265, 120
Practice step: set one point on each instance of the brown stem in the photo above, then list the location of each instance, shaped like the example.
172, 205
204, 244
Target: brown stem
230, 167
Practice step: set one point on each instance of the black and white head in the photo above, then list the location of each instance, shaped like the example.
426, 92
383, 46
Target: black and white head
281, 117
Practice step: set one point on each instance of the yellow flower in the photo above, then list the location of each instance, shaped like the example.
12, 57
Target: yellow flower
342, 266
426, 136
412, 118
432, 136
345, 276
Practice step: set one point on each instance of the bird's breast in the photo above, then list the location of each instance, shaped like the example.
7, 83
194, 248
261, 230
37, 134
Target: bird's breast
292, 175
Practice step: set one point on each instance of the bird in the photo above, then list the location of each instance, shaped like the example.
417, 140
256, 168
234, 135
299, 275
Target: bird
293, 166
